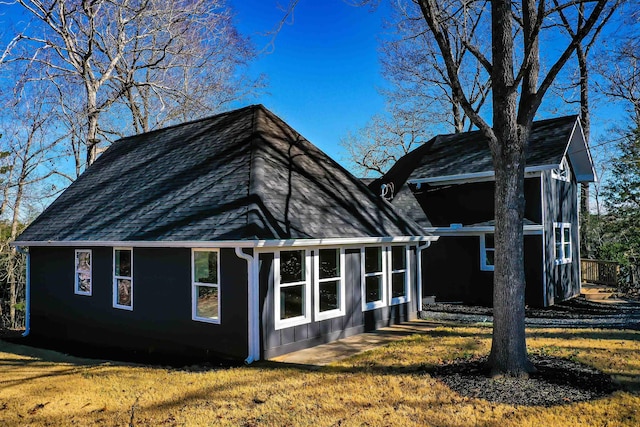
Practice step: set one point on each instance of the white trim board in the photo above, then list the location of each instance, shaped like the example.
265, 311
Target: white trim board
347, 241
479, 230
465, 178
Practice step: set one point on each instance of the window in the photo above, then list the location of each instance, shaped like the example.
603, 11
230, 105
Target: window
562, 240
329, 283
292, 289
373, 272
399, 275
487, 252
83, 272
563, 173
205, 286
123, 278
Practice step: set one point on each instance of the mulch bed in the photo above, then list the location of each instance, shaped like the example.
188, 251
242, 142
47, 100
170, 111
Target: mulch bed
575, 308
557, 381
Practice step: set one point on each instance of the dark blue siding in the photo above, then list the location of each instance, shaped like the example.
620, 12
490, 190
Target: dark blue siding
451, 271
161, 318
561, 205
276, 342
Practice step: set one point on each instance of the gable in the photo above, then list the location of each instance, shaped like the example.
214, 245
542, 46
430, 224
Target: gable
465, 156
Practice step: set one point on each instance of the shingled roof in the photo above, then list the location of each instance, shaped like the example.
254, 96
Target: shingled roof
453, 158
468, 153
241, 175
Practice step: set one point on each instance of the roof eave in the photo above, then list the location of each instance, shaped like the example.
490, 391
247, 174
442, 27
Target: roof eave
530, 171
338, 241
477, 230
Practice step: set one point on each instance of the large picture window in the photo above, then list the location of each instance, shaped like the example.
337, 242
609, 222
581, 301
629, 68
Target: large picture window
329, 283
399, 275
123, 278
562, 241
373, 272
487, 252
205, 289
83, 272
292, 288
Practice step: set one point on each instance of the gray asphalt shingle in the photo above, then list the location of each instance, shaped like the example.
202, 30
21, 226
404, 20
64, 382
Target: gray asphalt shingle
469, 152
240, 175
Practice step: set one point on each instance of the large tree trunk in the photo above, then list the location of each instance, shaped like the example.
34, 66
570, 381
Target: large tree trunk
508, 346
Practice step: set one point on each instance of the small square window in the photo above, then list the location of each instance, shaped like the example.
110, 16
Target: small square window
373, 289
291, 266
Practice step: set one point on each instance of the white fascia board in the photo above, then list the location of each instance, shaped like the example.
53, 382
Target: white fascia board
478, 230
230, 243
467, 178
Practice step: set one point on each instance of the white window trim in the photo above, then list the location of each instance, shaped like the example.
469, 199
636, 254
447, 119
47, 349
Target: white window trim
407, 289
562, 226
563, 173
115, 281
306, 317
483, 253
340, 311
76, 289
382, 302
194, 286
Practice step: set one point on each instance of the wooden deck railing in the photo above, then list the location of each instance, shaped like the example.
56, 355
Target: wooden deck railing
600, 272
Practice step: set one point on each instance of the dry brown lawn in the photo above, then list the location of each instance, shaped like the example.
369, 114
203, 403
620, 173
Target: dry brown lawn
383, 387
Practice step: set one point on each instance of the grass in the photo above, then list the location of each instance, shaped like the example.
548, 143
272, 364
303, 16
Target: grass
383, 387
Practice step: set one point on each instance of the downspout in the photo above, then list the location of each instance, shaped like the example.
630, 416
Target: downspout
27, 293
419, 250
253, 305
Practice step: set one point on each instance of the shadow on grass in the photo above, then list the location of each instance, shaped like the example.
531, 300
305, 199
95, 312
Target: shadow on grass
583, 333
269, 373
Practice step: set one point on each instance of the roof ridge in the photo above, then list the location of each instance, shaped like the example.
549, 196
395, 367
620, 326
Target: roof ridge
190, 122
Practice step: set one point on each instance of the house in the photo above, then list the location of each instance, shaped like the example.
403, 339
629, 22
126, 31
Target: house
447, 187
230, 237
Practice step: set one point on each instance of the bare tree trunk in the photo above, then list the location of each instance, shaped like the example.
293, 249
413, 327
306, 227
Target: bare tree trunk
92, 131
458, 118
12, 261
508, 347
585, 244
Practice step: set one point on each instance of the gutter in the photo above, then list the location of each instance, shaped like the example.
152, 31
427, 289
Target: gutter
419, 250
271, 243
253, 306
27, 293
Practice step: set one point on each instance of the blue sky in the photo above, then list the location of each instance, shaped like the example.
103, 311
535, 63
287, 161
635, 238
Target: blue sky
324, 72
